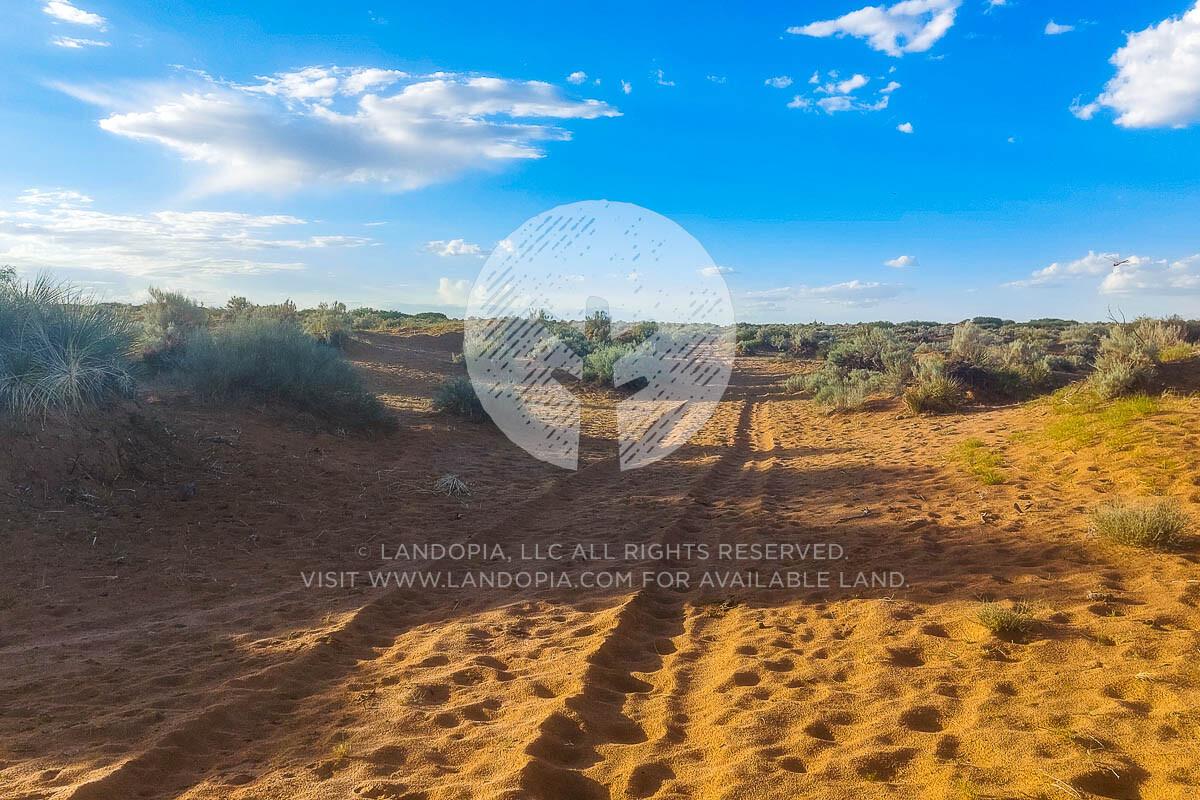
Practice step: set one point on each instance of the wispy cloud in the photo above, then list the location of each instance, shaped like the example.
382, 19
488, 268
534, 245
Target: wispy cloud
1054, 29
71, 43
779, 81
64, 11
910, 26
849, 294
332, 125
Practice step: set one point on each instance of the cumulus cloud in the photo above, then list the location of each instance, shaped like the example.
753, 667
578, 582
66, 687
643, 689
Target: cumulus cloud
910, 26
1121, 274
453, 293
60, 230
905, 127
1157, 83
577, 77
779, 82
64, 11
72, 43
891, 87
1054, 29
901, 262
333, 125
453, 247
626, 87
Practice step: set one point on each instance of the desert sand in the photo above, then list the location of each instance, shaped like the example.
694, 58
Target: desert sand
157, 639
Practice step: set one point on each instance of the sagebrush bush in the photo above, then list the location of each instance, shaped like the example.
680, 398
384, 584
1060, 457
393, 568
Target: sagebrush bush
795, 383
598, 365
169, 321
329, 323
59, 350
597, 327
1026, 362
457, 396
274, 360
972, 344
933, 390
842, 390
1125, 363
1159, 525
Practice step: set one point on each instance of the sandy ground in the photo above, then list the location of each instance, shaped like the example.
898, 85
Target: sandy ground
157, 639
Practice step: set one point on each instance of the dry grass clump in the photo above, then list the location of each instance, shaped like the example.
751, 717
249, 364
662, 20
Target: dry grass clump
1007, 622
1159, 525
1130, 354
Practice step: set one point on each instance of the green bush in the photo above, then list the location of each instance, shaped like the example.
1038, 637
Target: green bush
457, 396
1026, 362
275, 360
842, 390
59, 350
972, 344
598, 365
1158, 525
597, 328
329, 323
1006, 623
170, 320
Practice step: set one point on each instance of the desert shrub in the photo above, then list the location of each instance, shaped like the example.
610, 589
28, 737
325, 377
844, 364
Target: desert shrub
971, 344
457, 396
169, 321
898, 366
1176, 352
795, 383
974, 456
1125, 363
1026, 362
330, 324
638, 332
933, 390
276, 360
59, 350
597, 327
865, 349
1159, 334
1158, 525
1009, 623
598, 365
840, 389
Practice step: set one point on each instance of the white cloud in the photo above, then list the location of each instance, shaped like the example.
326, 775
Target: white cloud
661, 79
901, 262
53, 197
63, 11
712, 272
1054, 29
891, 87
995, 4
453, 247
577, 77
852, 84
322, 125
71, 43
905, 127
910, 26
721, 79
59, 230
1084, 111
779, 82
851, 294
1120, 274
799, 102
452, 292
1157, 84
1143, 276
626, 87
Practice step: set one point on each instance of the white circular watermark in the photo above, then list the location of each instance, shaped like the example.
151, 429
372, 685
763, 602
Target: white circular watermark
602, 291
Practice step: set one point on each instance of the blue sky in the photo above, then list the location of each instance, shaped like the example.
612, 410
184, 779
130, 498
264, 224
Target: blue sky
1003, 157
